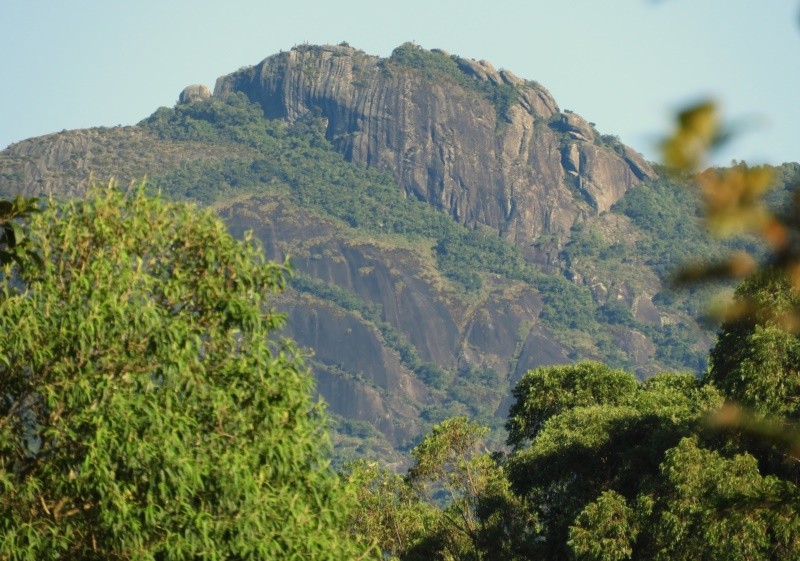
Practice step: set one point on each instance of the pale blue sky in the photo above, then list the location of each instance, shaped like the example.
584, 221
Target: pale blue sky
623, 64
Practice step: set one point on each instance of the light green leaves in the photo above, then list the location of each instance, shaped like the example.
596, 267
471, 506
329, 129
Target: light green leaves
605, 530
166, 424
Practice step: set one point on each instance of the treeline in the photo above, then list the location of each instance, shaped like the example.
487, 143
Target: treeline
605, 467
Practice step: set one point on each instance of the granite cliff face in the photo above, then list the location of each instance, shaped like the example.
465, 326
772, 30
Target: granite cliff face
485, 146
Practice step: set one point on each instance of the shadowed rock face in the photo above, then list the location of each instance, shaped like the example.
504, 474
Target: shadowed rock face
358, 374
524, 170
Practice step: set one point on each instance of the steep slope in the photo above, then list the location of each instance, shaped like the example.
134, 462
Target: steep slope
449, 227
484, 146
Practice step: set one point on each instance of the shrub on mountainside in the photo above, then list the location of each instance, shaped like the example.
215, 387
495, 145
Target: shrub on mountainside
436, 65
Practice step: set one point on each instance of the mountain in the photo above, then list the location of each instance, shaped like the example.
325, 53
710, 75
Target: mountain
484, 146
450, 227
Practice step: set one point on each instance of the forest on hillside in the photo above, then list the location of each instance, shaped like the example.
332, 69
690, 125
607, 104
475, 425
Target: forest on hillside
150, 413
147, 409
151, 407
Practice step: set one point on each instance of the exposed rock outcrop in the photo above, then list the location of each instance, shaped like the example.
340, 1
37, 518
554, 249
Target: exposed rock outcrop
524, 169
195, 92
498, 332
63, 163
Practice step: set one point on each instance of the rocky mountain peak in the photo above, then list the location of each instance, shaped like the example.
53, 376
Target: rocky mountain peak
481, 144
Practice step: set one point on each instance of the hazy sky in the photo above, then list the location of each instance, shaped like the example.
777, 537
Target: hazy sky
626, 65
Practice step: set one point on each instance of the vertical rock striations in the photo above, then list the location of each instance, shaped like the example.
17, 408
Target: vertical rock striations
483, 145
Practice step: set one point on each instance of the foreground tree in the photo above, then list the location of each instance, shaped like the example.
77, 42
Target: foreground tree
756, 361
586, 433
455, 503
145, 412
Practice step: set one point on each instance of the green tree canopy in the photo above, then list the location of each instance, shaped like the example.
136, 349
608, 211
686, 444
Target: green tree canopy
599, 431
146, 413
547, 391
454, 504
704, 506
756, 360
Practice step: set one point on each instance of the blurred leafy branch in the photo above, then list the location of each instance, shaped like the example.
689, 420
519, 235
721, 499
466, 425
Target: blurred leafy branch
734, 204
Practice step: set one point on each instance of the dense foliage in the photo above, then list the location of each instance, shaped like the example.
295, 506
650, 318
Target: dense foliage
671, 214
146, 412
603, 467
583, 430
756, 360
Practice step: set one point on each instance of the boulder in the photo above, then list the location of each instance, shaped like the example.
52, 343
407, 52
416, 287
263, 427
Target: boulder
195, 92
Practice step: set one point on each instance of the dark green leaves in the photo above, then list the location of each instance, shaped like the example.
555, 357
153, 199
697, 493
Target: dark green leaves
12, 235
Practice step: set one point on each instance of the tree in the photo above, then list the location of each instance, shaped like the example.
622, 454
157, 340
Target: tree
755, 361
147, 412
455, 503
605, 530
714, 507
547, 391
703, 506
588, 435
389, 511
468, 491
